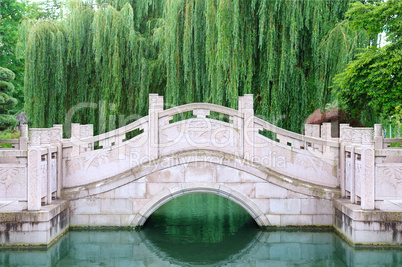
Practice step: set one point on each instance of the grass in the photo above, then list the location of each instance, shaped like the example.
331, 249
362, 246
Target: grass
8, 134
396, 145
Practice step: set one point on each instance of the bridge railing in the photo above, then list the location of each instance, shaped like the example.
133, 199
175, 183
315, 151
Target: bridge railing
13, 172
44, 166
51, 163
199, 126
370, 171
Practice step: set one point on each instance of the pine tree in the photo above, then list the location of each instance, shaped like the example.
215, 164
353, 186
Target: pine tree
7, 102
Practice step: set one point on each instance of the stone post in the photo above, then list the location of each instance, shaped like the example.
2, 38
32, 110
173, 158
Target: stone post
155, 106
57, 140
368, 169
326, 135
246, 107
368, 198
345, 139
312, 130
378, 137
34, 171
326, 131
24, 137
75, 139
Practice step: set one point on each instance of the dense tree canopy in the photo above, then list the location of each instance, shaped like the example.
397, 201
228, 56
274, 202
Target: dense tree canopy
372, 84
11, 13
284, 52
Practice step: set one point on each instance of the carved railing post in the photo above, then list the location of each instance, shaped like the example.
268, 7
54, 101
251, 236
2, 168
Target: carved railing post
75, 139
34, 171
345, 139
56, 140
368, 170
378, 137
155, 106
24, 137
246, 107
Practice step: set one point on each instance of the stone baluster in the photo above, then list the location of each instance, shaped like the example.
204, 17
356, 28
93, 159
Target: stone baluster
246, 107
155, 106
368, 169
326, 131
86, 131
23, 136
368, 179
378, 137
345, 139
312, 130
75, 139
34, 170
57, 140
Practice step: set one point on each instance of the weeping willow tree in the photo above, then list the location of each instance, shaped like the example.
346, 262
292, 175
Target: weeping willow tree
97, 63
285, 52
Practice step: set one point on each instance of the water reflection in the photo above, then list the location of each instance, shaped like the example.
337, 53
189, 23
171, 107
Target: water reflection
131, 248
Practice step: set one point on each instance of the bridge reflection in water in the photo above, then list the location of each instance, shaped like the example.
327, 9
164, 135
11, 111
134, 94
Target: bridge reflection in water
200, 229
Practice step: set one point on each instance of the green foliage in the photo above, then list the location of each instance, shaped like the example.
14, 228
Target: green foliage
8, 134
11, 12
372, 84
7, 122
284, 52
7, 102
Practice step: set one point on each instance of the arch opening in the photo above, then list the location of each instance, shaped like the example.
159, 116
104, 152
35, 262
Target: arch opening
200, 222
243, 201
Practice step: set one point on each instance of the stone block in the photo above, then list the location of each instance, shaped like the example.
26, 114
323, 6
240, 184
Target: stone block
86, 206
296, 220
263, 204
171, 175
126, 220
79, 219
131, 190
322, 219
154, 189
324, 206
39, 237
274, 219
292, 194
284, 206
200, 172
108, 194
104, 220
244, 188
227, 174
138, 204
268, 190
116, 206
309, 206
374, 236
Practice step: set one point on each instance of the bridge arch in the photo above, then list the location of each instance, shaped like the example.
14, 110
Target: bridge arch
222, 190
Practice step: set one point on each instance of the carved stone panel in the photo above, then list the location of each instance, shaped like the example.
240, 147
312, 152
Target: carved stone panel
348, 173
388, 181
358, 174
43, 174
13, 184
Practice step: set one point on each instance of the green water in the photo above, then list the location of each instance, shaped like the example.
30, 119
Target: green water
201, 230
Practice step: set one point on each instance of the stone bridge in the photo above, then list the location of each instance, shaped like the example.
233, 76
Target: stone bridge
121, 177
